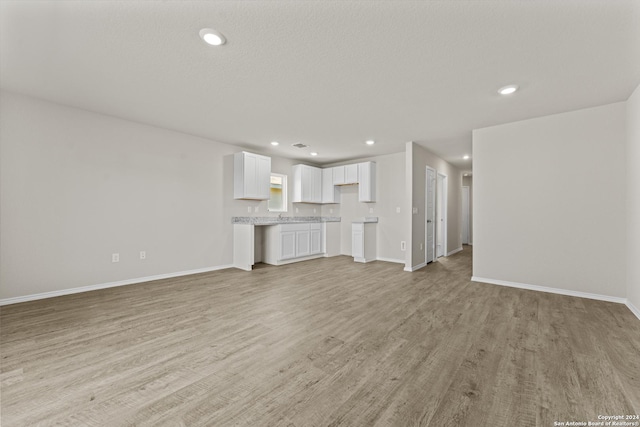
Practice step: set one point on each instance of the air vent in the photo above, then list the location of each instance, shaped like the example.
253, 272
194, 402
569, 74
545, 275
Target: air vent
300, 145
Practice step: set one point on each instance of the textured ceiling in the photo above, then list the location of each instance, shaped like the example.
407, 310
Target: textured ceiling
329, 74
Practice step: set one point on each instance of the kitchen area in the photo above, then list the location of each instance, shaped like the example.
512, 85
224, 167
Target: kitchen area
286, 238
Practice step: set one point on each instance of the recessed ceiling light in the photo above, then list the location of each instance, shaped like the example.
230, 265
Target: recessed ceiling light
466, 157
314, 153
212, 37
508, 90
370, 142
466, 174
275, 143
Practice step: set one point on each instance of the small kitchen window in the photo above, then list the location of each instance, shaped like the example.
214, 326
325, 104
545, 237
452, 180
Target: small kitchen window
278, 193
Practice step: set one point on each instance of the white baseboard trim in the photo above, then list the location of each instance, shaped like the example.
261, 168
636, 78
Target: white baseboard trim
549, 290
61, 292
397, 261
455, 251
633, 309
415, 267
292, 260
363, 260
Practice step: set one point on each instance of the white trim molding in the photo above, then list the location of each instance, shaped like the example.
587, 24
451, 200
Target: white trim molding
397, 261
415, 267
455, 251
549, 290
61, 292
633, 309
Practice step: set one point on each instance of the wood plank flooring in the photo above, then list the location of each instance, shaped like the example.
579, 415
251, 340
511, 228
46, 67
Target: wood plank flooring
326, 342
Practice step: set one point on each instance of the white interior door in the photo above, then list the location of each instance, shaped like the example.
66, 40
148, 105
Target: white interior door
441, 215
465, 215
430, 214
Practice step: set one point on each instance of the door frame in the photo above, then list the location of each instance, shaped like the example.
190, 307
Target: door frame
445, 203
426, 214
465, 215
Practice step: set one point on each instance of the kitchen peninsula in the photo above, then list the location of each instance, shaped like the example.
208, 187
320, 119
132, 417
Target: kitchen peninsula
283, 239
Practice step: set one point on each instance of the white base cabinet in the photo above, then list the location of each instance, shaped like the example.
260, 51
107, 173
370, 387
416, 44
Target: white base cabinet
285, 243
243, 246
363, 241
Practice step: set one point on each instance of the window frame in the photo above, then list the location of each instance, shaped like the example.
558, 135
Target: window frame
285, 189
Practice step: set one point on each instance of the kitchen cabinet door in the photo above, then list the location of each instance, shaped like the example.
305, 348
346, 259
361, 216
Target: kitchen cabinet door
351, 174
316, 238
251, 176
367, 182
303, 243
287, 244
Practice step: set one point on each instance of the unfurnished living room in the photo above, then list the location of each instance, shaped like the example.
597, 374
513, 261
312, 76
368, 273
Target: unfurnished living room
320, 213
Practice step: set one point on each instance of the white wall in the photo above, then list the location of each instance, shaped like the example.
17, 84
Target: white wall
390, 194
76, 187
418, 158
549, 202
633, 199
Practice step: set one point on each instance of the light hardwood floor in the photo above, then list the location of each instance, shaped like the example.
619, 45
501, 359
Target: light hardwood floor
323, 342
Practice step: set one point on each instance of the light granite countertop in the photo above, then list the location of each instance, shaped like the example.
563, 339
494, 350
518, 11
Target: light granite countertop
365, 220
274, 220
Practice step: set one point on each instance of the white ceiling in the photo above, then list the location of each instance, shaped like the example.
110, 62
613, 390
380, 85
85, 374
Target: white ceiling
329, 74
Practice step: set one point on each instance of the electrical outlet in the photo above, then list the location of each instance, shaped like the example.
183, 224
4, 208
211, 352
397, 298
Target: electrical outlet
370, 210
297, 210
314, 210
421, 245
256, 209
398, 210
330, 210
403, 246
143, 254
115, 257
249, 209
415, 210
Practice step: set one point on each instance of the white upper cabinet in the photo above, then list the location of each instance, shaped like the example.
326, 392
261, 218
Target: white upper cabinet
307, 184
367, 182
351, 174
315, 185
338, 175
347, 174
330, 194
251, 176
